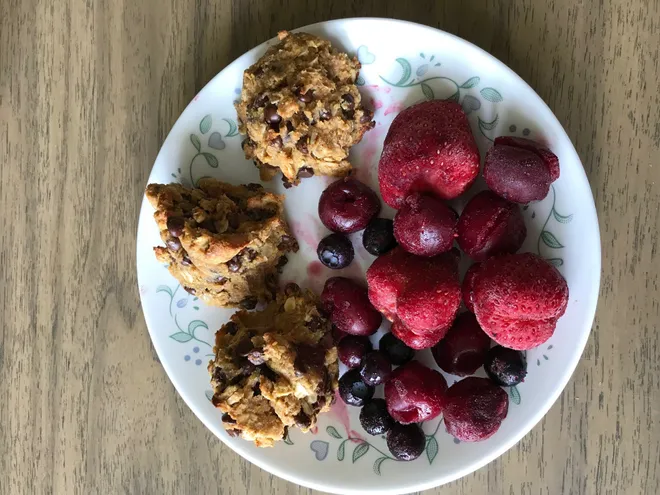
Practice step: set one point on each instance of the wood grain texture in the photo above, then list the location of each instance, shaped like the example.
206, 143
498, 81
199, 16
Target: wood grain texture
88, 92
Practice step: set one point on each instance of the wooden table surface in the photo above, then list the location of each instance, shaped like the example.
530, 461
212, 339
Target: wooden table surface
88, 92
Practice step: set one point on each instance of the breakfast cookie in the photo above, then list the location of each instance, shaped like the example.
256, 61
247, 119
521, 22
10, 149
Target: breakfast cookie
301, 109
275, 368
223, 243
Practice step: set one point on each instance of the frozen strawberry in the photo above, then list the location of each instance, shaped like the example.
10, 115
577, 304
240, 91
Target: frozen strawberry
414, 341
429, 147
474, 409
518, 299
430, 303
549, 158
349, 307
386, 279
425, 226
463, 350
520, 170
415, 393
490, 225
468, 286
423, 292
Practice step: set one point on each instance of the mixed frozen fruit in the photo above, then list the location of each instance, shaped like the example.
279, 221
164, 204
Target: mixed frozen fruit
513, 299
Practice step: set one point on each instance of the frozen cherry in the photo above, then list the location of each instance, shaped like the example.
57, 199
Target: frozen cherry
376, 368
349, 307
425, 226
406, 442
474, 409
374, 417
348, 205
506, 367
490, 225
463, 350
335, 251
414, 393
378, 237
519, 169
352, 349
353, 390
397, 352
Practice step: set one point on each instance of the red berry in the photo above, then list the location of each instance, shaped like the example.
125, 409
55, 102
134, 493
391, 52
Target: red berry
348, 205
463, 350
429, 147
349, 307
474, 409
414, 341
415, 393
425, 226
490, 225
518, 299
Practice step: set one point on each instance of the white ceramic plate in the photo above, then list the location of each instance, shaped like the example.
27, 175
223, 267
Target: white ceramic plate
402, 63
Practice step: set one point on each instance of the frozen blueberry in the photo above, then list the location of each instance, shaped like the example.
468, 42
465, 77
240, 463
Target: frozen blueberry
506, 367
353, 390
406, 442
335, 251
351, 350
398, 352
376, 368
378, 237
374, 417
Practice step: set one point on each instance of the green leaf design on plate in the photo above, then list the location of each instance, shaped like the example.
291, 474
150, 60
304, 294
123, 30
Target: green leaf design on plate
550, 240
407, 70
431, 449
377, 464
195, 141
287, 439
332, 431
209, 395
555, 261
455, 97
233, 128
211, 160
489, 126
181, 337
360, 450
205, 124
470, 83
428, 92
194, 325
561, 218
164, 288
515, 395
340, 451
491, 94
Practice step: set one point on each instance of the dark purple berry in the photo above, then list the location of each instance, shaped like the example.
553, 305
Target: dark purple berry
351, 350
374, 417
406, 442
335, 251
397, 352
378, 237
376, 368
505, 367
353, 390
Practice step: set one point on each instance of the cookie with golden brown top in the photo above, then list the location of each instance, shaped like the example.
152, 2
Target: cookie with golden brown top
274, 369
223, 243
301, 110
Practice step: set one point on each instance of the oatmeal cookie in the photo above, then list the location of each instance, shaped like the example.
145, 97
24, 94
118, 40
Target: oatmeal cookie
274, 369
301, 109
223, 243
